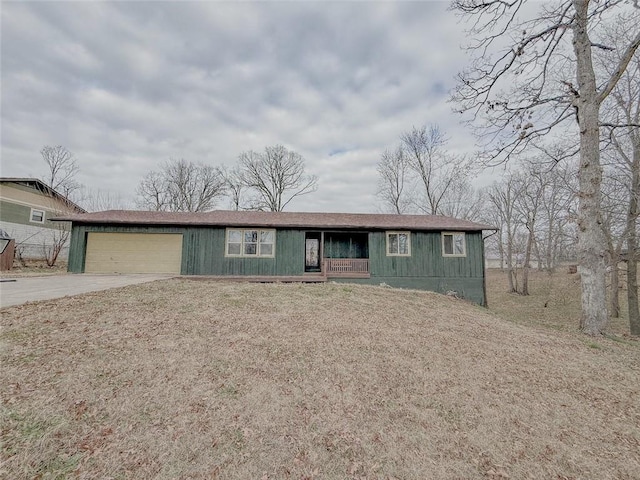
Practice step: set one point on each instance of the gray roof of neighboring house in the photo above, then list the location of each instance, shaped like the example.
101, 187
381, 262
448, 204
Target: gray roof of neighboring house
42, 187
370, 221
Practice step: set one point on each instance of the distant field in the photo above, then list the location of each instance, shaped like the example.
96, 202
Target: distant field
183, 379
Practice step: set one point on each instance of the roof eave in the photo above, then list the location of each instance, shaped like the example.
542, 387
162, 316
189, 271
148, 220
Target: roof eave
277, 226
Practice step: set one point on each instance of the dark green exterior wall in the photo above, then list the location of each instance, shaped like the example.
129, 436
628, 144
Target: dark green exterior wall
426, 269
203, 251
203, 254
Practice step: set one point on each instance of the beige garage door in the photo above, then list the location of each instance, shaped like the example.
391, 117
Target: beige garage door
133, 253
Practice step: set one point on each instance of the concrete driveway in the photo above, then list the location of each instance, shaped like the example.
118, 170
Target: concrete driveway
29, 289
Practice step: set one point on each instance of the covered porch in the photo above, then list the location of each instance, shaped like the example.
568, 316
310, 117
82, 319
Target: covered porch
337, 254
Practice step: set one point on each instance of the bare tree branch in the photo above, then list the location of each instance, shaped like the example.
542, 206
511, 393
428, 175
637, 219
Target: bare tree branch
528, 77
276, 176
62, 169
393, 180
181, 186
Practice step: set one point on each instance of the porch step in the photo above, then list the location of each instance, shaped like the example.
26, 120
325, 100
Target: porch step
348, 275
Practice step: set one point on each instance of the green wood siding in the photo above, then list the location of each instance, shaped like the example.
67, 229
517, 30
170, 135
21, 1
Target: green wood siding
204, 254
203, 251
426, 258
426, 269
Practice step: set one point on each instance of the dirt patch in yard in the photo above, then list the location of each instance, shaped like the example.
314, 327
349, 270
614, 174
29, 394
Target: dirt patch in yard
183, 379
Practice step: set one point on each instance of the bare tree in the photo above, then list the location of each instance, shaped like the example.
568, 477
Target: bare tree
437, 169
152, 192
621, 139
275, 177
421, 175
61, 177
62, 169
614, 223
556, 219
394, 181
181, 186
97, 199
488, 214
531, 190
502, 197
235, 187
462, 200
541, 79
55, 243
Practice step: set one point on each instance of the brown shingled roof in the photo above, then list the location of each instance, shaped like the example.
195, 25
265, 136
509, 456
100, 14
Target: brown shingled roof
278, 219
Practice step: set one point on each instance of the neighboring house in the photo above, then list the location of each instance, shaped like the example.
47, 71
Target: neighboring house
410, 251
26, 207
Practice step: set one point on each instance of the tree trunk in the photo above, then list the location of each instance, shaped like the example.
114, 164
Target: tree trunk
510, 269
632, 291
614, 303
632, 243
527, 260
591, 243
550, 247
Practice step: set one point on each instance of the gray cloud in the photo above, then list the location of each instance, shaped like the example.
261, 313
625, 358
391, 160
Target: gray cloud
127, 85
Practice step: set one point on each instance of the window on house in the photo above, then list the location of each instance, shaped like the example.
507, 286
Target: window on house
37, 216
454, 245
398, 243
250, 243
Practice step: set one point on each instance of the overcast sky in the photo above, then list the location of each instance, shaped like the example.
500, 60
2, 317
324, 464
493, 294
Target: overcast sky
127, 85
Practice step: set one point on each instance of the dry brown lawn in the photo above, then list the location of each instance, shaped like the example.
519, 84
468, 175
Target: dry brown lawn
33, 268
184, 379
554, 302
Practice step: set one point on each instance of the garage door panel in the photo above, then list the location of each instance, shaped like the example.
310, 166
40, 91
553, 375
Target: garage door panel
133, 253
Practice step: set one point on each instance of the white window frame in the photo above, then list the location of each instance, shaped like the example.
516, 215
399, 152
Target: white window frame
39, 211
242, 243
390, 254
453, 243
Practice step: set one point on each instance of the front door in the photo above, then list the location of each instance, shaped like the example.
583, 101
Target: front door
312, 254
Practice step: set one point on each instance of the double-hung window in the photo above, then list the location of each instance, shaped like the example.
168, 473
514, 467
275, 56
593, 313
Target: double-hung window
250, 243
37, 216
454, 245
399, 244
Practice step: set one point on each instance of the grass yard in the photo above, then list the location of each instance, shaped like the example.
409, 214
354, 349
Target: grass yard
184, 379
554, 301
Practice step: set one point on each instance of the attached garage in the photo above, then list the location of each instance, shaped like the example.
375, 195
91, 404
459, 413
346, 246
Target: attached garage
133, 253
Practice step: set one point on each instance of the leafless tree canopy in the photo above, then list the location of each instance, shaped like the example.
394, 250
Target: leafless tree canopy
394, 180
534, 207
62, 169
97, 199
523, 80
531, 73
274, 178
437, 169
621, 164
181, 186
236, 189
421, 175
